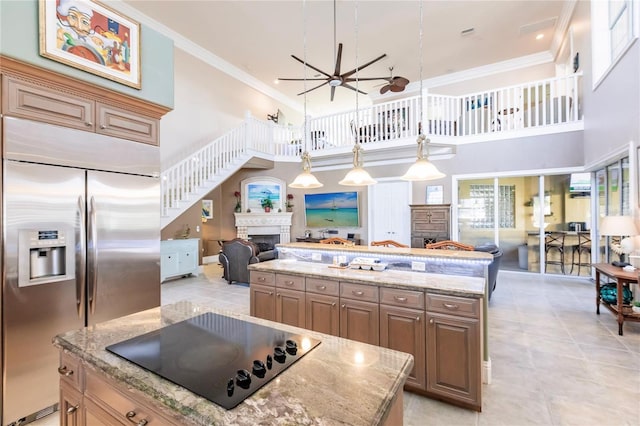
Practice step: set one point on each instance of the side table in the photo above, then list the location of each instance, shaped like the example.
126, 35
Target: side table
621, 277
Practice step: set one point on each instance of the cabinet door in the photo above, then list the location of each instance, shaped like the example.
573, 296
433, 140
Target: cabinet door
126, 124
359, 321
322, 314
188, 261
403, 329
169, 265
94, 415
70, 406
47, 105
262, 302
453, 357
290, 307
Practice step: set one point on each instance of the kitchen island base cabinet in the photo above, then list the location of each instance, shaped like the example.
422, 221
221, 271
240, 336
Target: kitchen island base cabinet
359, 321
290, 307
262, 302
322, 314
70, 406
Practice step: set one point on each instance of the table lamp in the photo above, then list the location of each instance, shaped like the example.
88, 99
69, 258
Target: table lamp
619, 226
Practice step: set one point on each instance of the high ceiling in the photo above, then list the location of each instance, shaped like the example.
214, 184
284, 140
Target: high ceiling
259, 37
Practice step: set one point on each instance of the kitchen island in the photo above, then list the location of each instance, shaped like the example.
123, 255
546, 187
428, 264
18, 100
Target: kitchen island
338, 382
436, 317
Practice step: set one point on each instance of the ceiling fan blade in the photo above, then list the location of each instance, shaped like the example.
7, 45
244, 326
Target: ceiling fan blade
309, 65
385, 89
348, 86
338, 59
395, 88
301, 79
361, 67
399, 81
333, 92
313, 88
367, 79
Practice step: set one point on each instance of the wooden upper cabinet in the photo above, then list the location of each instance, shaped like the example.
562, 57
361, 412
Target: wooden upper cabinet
126, 124
29, 101
38, 94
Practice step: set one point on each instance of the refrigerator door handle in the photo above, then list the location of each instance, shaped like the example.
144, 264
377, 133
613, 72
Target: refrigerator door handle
93, 261
81, 258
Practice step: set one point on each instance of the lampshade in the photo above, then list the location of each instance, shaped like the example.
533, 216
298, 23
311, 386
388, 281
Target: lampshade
305, 180
618, 226
357, 177
422, 169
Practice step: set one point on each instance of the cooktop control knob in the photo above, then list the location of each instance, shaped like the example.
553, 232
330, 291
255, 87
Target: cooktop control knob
243, 379
259, 369
230, 387
269, 362
292, 347
279, 354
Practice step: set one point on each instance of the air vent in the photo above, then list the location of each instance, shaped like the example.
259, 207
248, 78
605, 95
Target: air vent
538, 26
467, 32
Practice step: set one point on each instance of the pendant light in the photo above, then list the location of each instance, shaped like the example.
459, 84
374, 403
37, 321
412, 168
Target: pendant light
305, 180
422, 169
357, 176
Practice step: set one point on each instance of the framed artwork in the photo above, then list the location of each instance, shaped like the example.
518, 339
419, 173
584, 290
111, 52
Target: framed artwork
257, 189
335, 209
87, 35
207, 209
435, 194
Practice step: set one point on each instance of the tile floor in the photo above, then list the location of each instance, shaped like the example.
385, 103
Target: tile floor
555, 362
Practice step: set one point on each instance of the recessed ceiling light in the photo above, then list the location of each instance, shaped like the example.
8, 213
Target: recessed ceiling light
540, 36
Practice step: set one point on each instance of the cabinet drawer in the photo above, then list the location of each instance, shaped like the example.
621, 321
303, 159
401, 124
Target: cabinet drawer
429, 227
69, 370
293, 282
453, 305
126, 125
122, 407
364, 292
315, 285
263, 278
405, 298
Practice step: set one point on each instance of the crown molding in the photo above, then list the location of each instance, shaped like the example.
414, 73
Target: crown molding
204, 55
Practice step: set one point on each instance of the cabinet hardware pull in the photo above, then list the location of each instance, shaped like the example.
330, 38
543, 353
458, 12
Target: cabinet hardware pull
431, 321
130, 416
278, 294
333, 304
88, 124
103, 126
400, 299
270, 293
262, 279
417, 318
451, 306
357, 293
64, 371
288, 282
321, 287
72, 409
344, 306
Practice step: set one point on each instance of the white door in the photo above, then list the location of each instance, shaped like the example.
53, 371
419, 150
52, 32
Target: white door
390, 216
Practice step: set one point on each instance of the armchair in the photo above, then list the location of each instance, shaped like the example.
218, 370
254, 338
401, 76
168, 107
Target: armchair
235, 257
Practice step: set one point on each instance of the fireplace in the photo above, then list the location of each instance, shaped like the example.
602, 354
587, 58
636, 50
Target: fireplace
258, 225
265, 242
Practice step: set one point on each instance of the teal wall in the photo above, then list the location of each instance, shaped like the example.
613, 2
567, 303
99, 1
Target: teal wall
19, 39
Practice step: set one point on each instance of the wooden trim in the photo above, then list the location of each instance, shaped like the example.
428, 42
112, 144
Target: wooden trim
450, 245
72, 86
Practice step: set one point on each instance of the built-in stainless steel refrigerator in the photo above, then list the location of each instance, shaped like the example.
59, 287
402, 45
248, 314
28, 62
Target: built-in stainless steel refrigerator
81, 244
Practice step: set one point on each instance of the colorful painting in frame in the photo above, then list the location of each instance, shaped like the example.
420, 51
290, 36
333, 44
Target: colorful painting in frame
207, 209
335, 209
254, 190
88, 35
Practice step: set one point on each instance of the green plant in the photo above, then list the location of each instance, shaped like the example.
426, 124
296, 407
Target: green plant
636, 303
266, 202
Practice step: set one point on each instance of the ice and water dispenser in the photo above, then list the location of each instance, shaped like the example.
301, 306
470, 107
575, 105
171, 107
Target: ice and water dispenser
45, 256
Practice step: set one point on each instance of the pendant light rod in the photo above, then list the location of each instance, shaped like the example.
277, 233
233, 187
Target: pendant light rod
305, 179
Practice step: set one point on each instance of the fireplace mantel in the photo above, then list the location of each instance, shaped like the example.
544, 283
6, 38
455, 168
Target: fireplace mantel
261, 223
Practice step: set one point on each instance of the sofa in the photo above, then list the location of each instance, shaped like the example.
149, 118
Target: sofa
237, 254
494, 266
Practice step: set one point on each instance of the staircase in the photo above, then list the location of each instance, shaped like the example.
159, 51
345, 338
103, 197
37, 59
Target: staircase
185, 183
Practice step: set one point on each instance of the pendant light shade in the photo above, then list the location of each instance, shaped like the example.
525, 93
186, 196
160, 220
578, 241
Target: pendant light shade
422, 169
305, 180
357, 176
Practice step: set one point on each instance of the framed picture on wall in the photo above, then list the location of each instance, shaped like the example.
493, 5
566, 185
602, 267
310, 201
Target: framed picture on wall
88, 35
258, 189
207, 209
435, 194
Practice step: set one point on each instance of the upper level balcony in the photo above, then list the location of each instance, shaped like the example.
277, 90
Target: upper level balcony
535, 108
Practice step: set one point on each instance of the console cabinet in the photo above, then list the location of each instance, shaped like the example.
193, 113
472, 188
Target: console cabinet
442, 332
429, 223
178, 258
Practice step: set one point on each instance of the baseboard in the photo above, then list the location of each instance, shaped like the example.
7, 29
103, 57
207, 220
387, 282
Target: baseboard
209, 259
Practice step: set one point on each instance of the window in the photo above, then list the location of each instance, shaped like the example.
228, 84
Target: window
481, 199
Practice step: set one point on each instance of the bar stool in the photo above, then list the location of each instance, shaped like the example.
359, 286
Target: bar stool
584, 246
554, 242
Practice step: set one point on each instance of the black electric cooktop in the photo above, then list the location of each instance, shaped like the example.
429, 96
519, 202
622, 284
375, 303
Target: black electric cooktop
222, 359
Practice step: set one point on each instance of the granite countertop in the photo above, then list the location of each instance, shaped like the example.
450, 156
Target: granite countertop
454, 285
339, 382
398, 251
